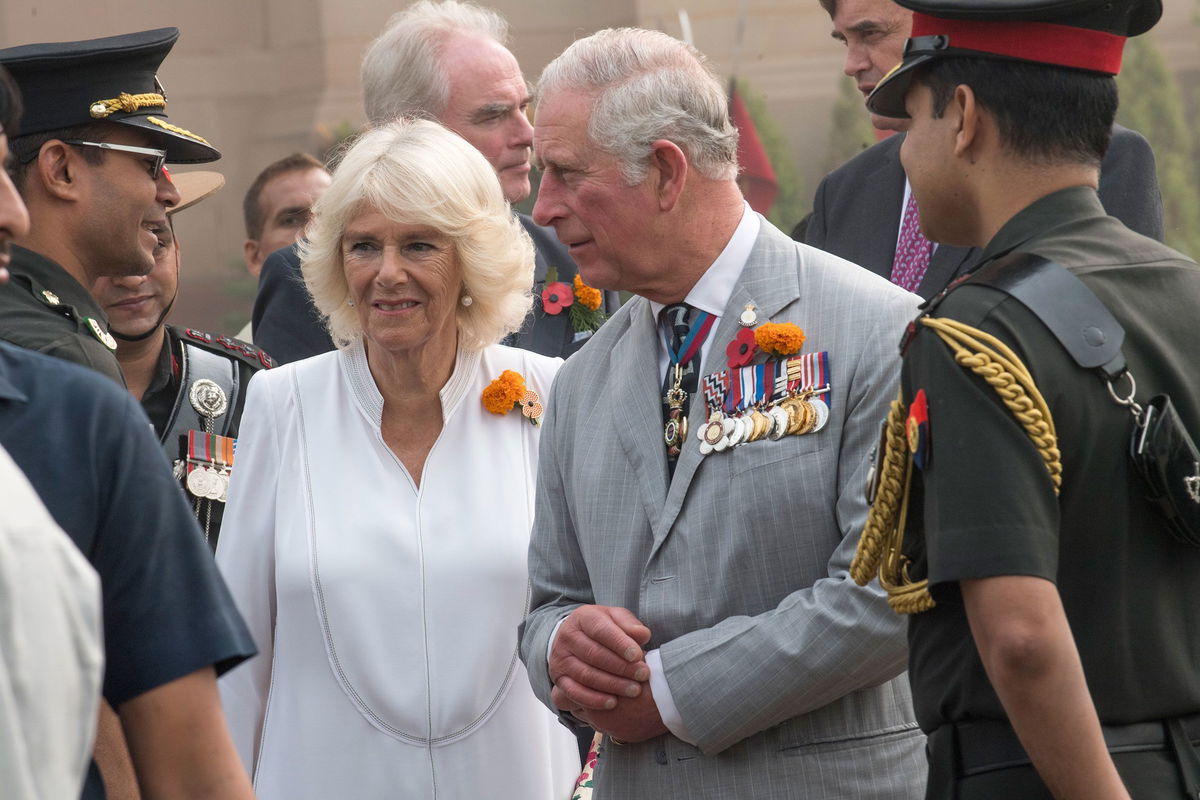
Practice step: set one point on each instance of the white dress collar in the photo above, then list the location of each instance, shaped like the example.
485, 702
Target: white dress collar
366, 392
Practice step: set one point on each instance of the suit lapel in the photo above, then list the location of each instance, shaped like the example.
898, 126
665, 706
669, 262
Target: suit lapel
636, 407
768, 282
944, 266
882, 227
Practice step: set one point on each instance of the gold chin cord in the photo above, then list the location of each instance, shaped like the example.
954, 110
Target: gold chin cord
880, 548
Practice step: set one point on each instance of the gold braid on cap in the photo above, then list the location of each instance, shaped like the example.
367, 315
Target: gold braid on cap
128, 103
176, 129
881, 544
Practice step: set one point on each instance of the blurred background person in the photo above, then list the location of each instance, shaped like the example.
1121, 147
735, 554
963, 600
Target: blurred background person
276, 208
394, 479
446, 61
190, 383
865, 212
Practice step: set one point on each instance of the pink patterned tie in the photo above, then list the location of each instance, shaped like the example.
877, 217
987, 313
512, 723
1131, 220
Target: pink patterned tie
912, 249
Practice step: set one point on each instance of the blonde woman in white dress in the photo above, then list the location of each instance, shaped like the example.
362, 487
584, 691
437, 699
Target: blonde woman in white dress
379, 513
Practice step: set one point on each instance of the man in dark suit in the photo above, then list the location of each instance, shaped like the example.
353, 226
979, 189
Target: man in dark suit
448, 61
859, 208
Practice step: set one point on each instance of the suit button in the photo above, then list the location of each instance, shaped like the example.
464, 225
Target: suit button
660, 755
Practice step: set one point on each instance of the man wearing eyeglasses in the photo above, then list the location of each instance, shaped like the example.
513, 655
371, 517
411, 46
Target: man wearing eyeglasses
89, 165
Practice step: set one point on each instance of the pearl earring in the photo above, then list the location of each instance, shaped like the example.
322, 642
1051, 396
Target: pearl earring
467, 300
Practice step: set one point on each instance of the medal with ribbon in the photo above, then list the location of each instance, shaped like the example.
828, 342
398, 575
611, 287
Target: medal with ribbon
675, 429
209, 460
780, 397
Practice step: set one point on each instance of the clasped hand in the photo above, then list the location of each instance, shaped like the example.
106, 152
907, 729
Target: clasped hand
600, 675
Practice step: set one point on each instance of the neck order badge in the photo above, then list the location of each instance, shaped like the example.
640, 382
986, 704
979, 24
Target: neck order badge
683, 338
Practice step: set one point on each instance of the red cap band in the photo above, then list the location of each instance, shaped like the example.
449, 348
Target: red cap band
1041, 42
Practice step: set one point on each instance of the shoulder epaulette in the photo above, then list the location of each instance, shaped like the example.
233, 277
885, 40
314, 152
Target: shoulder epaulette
44, 295
228, 345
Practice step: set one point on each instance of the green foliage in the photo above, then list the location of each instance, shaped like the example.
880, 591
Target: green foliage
791, 203
850, 130
1152, 105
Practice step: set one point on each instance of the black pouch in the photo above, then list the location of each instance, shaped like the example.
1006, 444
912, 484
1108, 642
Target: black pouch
1167, 459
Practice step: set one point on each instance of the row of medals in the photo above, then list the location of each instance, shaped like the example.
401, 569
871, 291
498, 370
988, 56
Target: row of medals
795, 415
210, 402
210, 483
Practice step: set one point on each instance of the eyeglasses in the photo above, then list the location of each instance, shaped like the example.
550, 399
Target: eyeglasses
160, 156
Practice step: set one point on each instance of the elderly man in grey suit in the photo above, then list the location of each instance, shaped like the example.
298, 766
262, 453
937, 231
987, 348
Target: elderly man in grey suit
690, 596
448, 61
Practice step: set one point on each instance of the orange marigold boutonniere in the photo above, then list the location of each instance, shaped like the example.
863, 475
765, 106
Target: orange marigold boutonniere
779, 338
586, 294
582, 302
508, 392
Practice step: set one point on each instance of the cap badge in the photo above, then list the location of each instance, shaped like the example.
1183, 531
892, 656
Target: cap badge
128, 103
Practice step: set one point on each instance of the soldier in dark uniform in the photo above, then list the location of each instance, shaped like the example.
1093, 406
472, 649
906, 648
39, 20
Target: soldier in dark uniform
88, 163
170, 626
191, 384
1052, 584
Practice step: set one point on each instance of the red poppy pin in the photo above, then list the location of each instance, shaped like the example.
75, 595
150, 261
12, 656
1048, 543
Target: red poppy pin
742, 349
557, 296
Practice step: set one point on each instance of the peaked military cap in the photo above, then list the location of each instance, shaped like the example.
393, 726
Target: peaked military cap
1080, 34
65, 84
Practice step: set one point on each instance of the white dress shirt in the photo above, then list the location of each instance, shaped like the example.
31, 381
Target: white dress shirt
385, 612
51, 650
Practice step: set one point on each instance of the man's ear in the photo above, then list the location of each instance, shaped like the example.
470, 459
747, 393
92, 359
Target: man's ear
670, 172
58, 168
967, 111
253, 261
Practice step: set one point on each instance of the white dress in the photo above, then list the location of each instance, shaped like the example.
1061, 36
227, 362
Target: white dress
385, 614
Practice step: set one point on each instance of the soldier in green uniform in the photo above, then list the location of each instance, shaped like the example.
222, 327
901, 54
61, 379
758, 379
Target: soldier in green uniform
191, 384
89, 165
1054, 626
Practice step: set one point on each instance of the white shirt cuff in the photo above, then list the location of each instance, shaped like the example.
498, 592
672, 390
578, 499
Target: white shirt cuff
553, 636
664, 701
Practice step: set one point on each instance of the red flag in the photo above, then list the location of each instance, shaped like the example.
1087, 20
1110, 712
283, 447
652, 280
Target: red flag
756, 179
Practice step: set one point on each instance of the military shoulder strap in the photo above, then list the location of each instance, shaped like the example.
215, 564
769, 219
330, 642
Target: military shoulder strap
1069, 310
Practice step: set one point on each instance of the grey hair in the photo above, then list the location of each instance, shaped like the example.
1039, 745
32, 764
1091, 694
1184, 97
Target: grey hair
648, 86
418, 173
402, 74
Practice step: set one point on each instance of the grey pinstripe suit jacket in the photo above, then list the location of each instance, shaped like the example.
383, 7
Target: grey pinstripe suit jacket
788, 676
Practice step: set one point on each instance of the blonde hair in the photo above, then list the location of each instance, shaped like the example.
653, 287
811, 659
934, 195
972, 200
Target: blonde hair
418, 173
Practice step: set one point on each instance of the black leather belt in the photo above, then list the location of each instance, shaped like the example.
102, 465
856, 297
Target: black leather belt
987, 745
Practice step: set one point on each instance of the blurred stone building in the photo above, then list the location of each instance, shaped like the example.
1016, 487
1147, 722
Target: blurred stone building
261, 78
